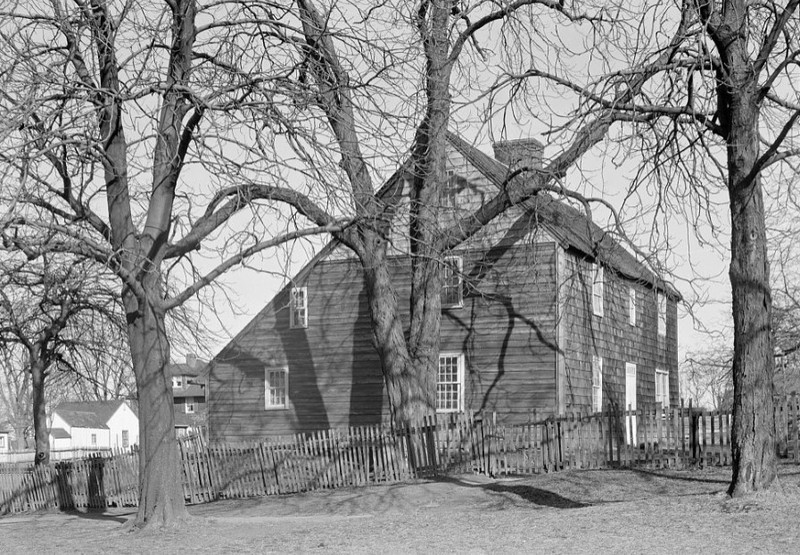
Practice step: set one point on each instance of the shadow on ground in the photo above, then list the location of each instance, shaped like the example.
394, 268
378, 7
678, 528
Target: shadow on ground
99, 514
535, 496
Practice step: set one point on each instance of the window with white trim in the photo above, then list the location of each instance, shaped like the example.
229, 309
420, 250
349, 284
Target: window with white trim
597, 289
177, 381
662, 387
2, 442
662, 314
450, 383
452, 283
632, 306
276, 388
298, 307
189, 405
93, 439
597, 384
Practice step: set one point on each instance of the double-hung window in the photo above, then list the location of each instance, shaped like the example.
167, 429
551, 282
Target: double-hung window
597, 289
662, 387
597, 384
276, 388
452, 283
450, 383
298, 308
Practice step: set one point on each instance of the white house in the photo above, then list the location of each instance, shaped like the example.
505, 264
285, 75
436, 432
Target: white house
5, 441
94, 425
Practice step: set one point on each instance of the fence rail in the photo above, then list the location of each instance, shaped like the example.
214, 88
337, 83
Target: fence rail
435, 445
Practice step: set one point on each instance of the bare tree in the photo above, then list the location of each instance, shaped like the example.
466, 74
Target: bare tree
127, 131
447, 38
708, 377
710, 87
720, 116
65, 316
15, 393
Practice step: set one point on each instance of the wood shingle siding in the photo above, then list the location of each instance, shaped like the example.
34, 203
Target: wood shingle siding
525, 329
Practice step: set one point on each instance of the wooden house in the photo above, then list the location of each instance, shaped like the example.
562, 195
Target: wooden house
189, 394
94, 425
541, 310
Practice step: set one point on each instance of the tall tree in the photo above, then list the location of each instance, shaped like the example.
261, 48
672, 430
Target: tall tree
721, 115
447, 36
61, 312
125, 127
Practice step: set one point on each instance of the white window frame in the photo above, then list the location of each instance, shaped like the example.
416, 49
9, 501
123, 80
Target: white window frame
597, 384
459, 383
269, 400
662, 387
598, 276
298, 307
93, 440
2, 442
632, 306
177, 382
448, 267
189, 405
661, 307
126, 439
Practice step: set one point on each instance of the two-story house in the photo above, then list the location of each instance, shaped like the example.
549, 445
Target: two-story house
541, 310
189, 394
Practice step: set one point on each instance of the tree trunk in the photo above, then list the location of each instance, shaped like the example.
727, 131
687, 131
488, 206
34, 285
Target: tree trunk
753, 444
40, 428
161, 501
410, 387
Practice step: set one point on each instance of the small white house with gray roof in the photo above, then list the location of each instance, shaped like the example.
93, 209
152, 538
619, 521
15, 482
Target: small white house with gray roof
94, 425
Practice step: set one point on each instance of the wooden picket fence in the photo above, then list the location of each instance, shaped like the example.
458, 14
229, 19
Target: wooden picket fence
94, 482
436, 445
303, 462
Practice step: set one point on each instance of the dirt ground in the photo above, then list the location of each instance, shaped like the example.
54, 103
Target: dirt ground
597, 511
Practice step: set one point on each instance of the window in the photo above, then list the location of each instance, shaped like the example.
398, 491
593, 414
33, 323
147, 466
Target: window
125, 439
662, 314
276, 390
2, 442
452, 289
298, 308
450, 383
177, 381
632, 306
597, 384
597, 289
189, 405
94, 440
662, 387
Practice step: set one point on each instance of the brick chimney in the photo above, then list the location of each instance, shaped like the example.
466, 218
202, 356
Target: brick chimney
518, 153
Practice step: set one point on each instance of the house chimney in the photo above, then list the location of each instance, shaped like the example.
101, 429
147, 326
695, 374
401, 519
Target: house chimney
191, 359
519, 153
